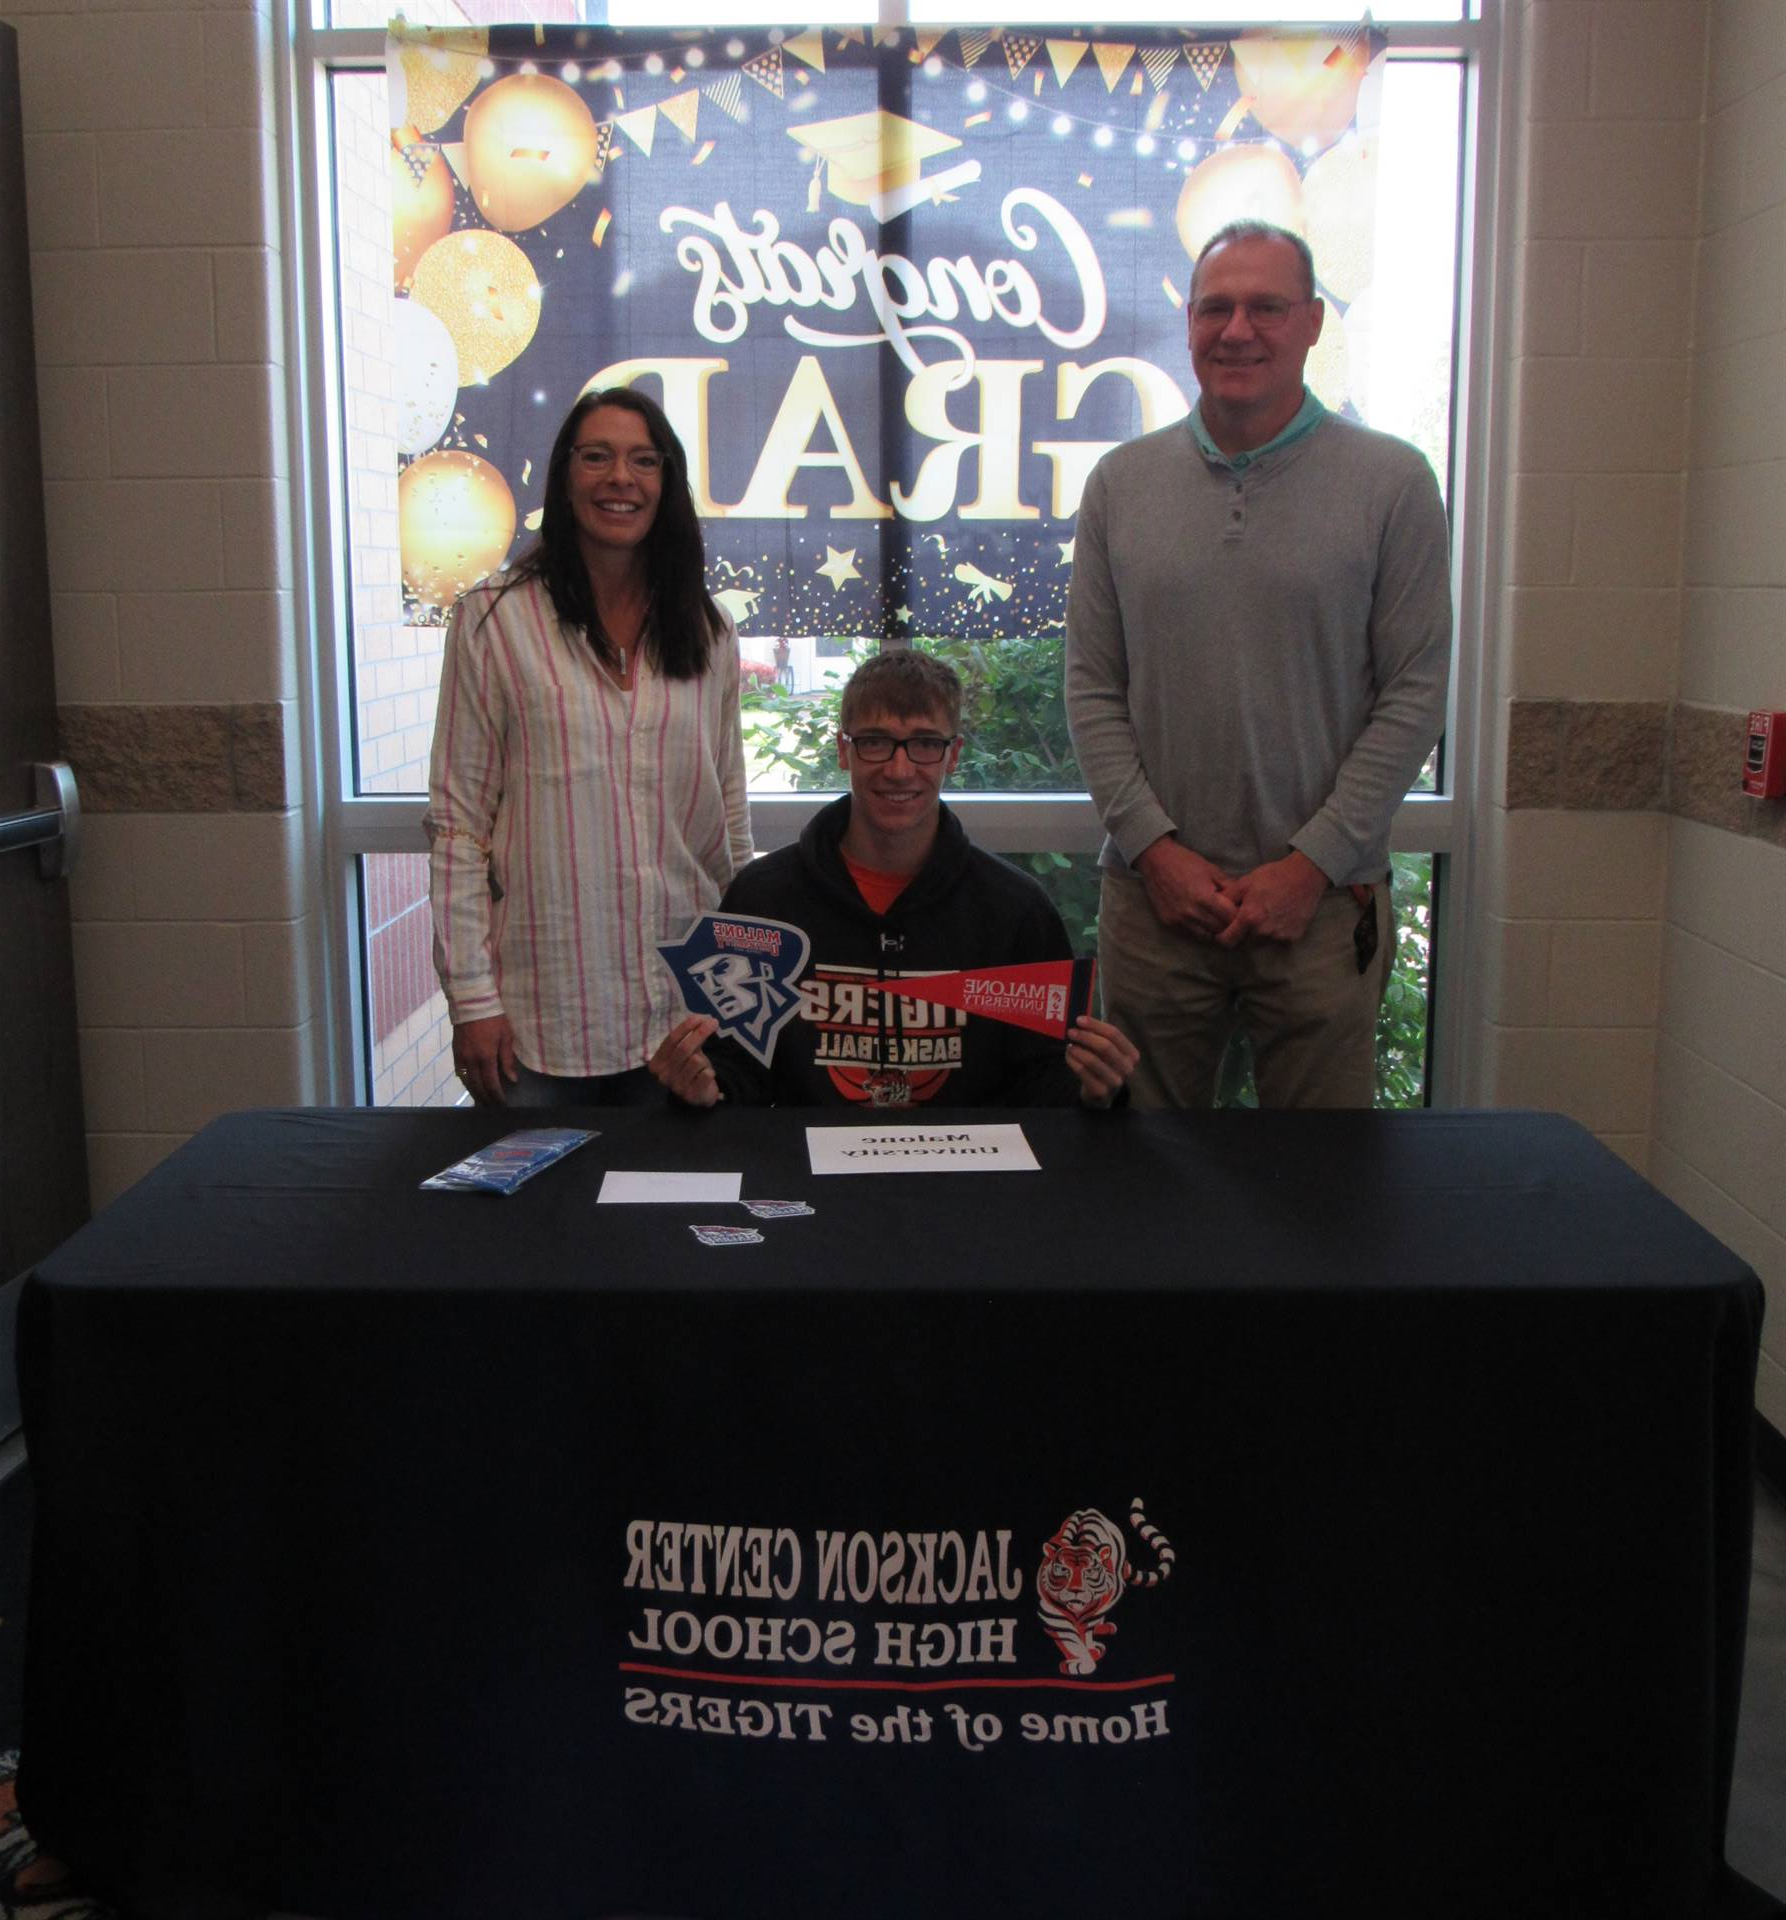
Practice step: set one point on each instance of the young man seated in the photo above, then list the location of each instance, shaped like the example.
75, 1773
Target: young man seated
887, 886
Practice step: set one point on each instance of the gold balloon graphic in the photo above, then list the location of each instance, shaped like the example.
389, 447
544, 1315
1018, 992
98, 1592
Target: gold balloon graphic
529, 145
1304, 87
1238, 183
455, 519
421, 200
440, 72
1339, 197
482, 288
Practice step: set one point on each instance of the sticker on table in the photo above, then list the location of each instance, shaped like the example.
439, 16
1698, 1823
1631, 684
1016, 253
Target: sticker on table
777, 1209
966, 1149
666, 1189
727, 1236
742, 973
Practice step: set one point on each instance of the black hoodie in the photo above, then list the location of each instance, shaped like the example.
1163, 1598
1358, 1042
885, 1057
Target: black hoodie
854, 1043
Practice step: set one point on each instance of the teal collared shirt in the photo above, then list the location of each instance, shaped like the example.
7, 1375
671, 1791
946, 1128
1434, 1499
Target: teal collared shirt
1308, 417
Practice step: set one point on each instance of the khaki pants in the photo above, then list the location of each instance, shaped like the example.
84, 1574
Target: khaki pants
1310, 1014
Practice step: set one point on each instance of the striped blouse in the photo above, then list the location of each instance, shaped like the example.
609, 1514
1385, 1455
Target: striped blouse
573, 825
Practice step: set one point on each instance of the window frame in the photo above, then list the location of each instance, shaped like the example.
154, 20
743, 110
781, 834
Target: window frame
352, 825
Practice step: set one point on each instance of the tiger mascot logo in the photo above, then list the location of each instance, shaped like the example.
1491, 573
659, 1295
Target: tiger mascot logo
1085, 1570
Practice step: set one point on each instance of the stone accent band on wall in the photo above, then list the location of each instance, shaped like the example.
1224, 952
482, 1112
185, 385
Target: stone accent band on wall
200, 759
1636, 756
1581, 755
1587, 754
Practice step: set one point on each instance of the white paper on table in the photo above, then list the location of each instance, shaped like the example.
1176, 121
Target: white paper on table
697, 1189
920, 1149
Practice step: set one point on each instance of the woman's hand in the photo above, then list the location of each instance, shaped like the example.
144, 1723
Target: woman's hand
681, 1065
1102, 1057
484, 1058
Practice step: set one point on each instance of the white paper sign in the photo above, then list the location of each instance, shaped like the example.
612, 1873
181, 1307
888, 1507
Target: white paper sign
919, 1149
627, 1189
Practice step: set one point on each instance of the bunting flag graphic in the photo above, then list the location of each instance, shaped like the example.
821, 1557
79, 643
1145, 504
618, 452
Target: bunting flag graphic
926, 38
1020, 50
418, 158
765, 70
809, 47
973, 42
1113, 57
680, 110
604, 147
1350, 40
639, 126
1066, 55
1159, 61
1204, 58
727, 93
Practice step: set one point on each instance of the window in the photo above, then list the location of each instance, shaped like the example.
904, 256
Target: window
385, 399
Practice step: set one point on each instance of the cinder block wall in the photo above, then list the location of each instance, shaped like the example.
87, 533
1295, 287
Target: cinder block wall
1632, 949
1582, 671
1720, 1114
150, 159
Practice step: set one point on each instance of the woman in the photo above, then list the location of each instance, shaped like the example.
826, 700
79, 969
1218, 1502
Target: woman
586, 797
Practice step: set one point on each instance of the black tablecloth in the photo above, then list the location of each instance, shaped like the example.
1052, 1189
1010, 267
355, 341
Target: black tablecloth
350, 1494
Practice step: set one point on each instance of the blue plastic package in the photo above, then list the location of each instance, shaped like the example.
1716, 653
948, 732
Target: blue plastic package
507, 1163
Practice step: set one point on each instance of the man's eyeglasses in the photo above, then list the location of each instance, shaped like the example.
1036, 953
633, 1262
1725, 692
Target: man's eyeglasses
921, 749
1264, 316
640, 461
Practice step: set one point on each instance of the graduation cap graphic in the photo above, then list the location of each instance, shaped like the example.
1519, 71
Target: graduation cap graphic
876, 160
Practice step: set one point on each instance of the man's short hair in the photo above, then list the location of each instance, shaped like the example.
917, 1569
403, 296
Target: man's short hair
1259, 230
905, 683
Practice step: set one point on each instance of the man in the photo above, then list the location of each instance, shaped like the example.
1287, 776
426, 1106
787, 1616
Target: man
1258, 635
887, 887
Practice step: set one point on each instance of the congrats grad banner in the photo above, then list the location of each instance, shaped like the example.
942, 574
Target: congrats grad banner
897, 289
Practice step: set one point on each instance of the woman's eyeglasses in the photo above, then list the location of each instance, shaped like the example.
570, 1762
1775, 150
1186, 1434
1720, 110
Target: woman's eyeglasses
641, 462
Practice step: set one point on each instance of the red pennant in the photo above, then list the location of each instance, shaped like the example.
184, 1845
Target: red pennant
1037, 994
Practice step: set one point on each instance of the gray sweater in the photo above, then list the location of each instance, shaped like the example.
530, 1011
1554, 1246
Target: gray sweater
1257, 660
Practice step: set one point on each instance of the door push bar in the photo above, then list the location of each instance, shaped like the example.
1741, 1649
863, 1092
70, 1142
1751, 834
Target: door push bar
53, 825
